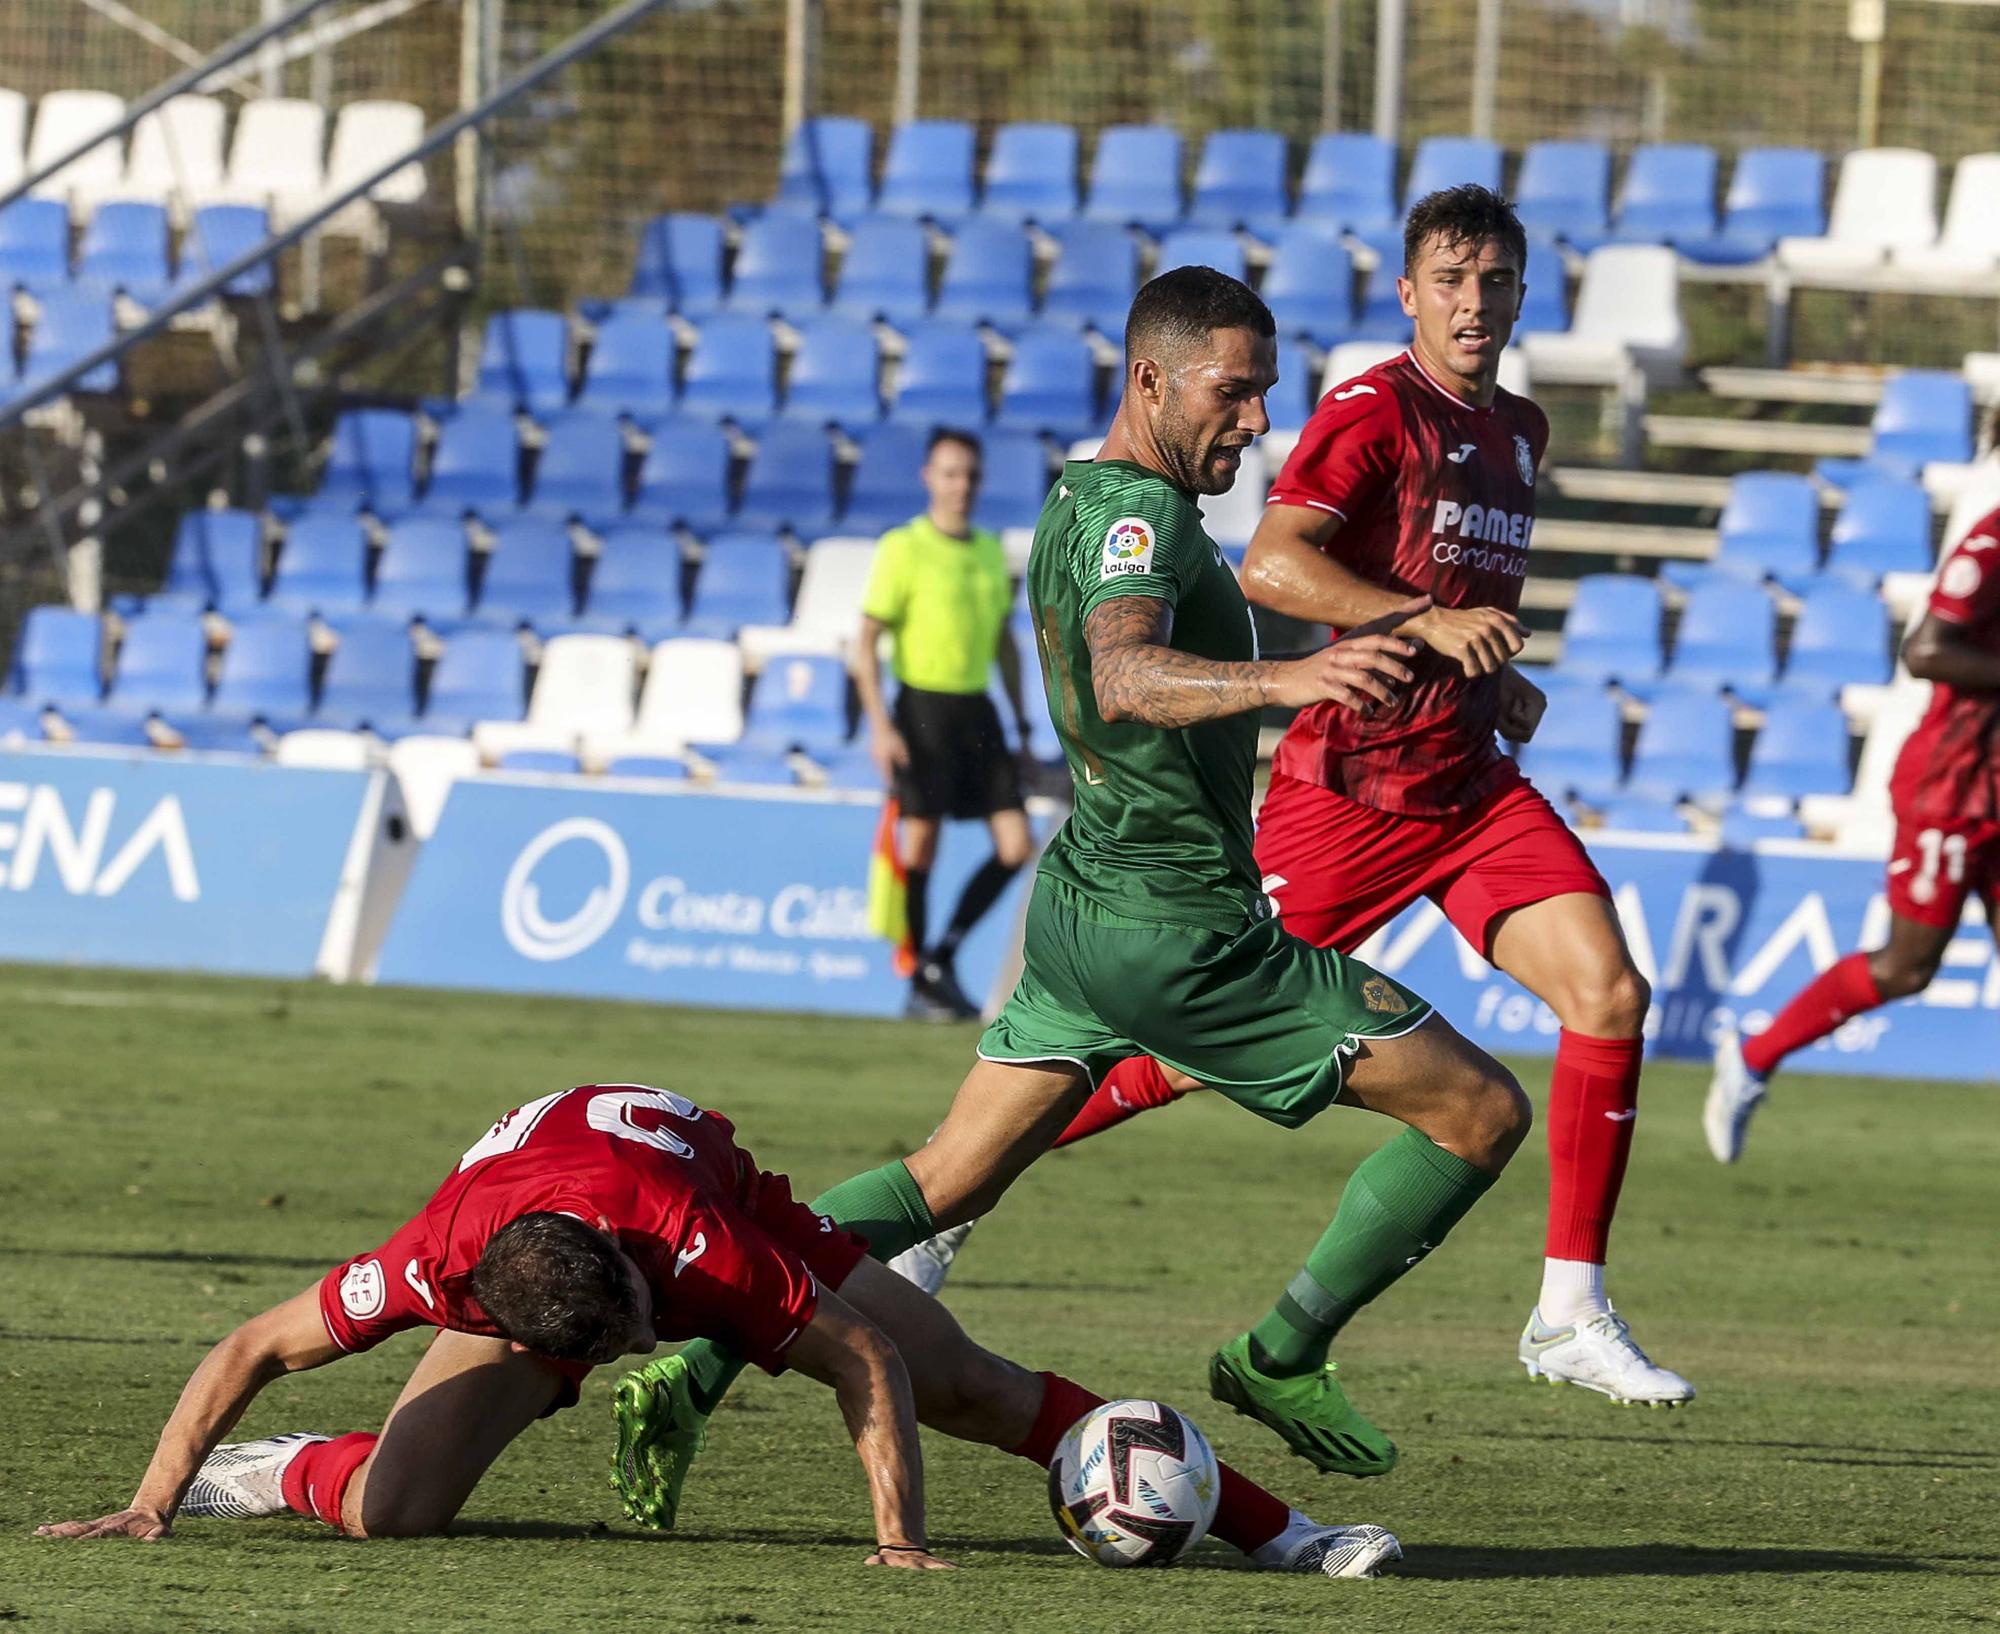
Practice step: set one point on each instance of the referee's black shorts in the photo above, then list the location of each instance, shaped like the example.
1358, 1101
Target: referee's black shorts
959, 764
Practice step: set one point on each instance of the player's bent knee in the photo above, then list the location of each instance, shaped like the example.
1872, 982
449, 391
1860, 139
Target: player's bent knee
1612, 1004
1903, 978
401, 1515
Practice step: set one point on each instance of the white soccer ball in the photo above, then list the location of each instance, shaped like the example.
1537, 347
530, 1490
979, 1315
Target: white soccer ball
1133, 1483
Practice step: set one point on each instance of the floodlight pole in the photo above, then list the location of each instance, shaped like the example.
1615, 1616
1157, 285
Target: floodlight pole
1389, 19
909, 58
1485, 68
1329, 68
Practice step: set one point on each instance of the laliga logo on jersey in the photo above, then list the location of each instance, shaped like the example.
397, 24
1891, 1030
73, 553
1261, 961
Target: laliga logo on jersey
529, 932
76, 850
1128, 547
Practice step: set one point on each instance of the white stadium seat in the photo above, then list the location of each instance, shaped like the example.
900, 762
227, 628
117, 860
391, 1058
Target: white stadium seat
366, 136
1628, 314
693, 694
13, 138
1886, 199
177, 154
827, 616
62, 120
334, 751
426, 766
1969, 246
1230, 518
583, 691
276, 158
1353, 357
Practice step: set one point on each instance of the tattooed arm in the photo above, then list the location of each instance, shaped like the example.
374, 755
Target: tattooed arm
1137, 676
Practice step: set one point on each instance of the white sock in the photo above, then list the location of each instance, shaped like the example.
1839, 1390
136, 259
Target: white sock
1572, 1291
1296, 1531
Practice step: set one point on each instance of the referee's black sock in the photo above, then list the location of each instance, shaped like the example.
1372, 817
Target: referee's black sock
917, 893
980, 893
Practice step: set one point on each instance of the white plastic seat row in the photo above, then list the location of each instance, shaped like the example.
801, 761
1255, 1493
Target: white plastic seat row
583, 700
1628, 315
1885, 213
827, 616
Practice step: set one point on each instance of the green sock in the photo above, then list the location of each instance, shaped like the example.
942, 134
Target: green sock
884, 1205
1397, 1207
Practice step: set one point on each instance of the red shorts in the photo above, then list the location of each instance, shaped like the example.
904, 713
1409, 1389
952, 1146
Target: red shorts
1339, 871
1934, 867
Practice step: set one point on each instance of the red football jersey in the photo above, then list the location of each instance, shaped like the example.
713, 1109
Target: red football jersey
683, 1200
1949, 769
1435, 496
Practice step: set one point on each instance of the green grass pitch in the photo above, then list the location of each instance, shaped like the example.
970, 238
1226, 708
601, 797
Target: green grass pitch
176, 1154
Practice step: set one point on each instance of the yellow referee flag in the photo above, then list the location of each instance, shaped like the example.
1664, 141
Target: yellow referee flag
888, 890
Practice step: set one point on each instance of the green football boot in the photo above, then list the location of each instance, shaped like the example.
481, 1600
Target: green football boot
1309, 1412
660, 1430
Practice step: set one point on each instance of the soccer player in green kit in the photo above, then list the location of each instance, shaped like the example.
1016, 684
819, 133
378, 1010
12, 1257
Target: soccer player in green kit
1148, 929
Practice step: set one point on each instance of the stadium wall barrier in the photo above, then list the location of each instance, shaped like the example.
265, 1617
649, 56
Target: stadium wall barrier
749, 901
196, 863
1723, 934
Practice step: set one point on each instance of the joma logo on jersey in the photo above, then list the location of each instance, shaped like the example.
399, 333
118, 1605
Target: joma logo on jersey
1128, 547
77, 850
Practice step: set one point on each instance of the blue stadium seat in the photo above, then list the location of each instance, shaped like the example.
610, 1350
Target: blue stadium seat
756, 768
370, 463
266, 674
1135, 177
631, 368
1215, 247
836, 374
888, 484
745, 578
209, 734
580, 472
1382, 317
1013, 479
544, 762
58, 657
635, 586
1924, 415
990, 276
684, 478
34, 245
942, 377
1686, 748
928, 173
731, 373
1612, 632
478, 678
1562, 192
524, 362
1883, 527
1050, 385
20, 722
1770, 529
1743, 829
126, 248
1043, 744
475, 466
70, 325
851, 768
1727, 637
217, 234
1290, 403
107, 728
1309, 285
1450, 161
1641, 814
162, 664
1350, 182
1545, 301
660, 768
1093, 279
790, 481
1240, 182
1774, 193
422, 571
1576, 750
1841, 636
779, 269
827, 167
1801, 749
217, 562
1669, 194
797, 703
680, 262
1031, 174
528, 576
885, 272
323, 567
370, 679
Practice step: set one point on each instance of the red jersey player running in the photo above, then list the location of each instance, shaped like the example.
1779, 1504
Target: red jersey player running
589, 1225
1945, 793
1418, 477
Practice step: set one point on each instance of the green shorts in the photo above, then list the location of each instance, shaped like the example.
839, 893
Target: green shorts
1268, 1020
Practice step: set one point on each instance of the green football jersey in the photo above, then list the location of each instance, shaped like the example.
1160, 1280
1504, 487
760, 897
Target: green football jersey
1161, 828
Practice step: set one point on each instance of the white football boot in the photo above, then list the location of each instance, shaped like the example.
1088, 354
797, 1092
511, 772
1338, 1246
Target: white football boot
929, 1263
1329, 1551
1734, 1094
1599, 1353
244, 1480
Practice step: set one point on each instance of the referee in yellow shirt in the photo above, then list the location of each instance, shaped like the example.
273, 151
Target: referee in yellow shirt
940, 588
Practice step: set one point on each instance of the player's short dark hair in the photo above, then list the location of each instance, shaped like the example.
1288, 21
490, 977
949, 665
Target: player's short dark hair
1184, 307
552, 1283
954, 434
1468, 214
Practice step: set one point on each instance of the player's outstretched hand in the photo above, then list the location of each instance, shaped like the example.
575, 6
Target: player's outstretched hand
1360, 670
1481, 639
921, 1560
1521, 706
149, 1525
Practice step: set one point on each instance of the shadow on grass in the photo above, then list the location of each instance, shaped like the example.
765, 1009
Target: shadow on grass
172, 1256
1805, 1452
1454, 1562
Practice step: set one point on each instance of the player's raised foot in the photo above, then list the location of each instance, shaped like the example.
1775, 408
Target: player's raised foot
929, 1263
1734, 1094
1310, 1413
1330, 1551
660, 1432
244, 1480
1600, 1354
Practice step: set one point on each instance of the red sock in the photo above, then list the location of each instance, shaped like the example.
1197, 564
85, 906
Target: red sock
316, 1480
1593, 1103
1135, 1085
1246, 1516
1840, 991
